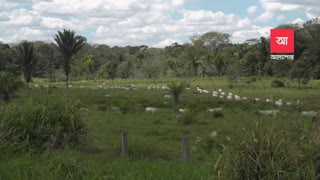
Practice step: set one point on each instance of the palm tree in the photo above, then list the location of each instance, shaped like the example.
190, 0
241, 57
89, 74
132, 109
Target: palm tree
9, 84
68, 43
26, 55
176, 89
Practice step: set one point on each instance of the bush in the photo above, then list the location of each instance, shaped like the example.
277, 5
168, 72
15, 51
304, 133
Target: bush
277, 83
9, 84
102, 107
38, 126
217, 114
261, 155
188, 117
125, 106
270, 152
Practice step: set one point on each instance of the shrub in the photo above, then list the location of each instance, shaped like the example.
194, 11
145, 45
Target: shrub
125, 106
102, 107
9, 84
38, 126
277, 83
188, 117
270, 152
263, 154
253, 79
217, 114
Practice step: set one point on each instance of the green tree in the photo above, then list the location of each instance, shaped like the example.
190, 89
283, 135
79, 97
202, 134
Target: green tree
89, 63
7, 60
9, 85
219, 63
281, 68
68, 43
176, 89
301, 72
26, 56
211, 40
233, 72
47, 60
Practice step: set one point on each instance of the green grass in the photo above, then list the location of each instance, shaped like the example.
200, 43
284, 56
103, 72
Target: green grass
155, 138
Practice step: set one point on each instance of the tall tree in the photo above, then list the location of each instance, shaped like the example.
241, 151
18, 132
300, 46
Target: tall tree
211, 40
26, 55
301, 72
68, 43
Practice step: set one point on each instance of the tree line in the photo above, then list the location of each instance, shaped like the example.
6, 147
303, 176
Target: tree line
69, 56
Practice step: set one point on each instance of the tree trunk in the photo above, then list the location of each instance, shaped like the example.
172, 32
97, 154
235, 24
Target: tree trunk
67, 70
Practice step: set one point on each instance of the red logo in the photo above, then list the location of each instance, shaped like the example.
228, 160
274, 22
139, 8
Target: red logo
282, 41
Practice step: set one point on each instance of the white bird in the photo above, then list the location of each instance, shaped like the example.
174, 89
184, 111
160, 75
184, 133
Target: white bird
220, 90
288, 103
244, 98
167, 96
237, 97
269, 100
182, 110
299, 102
308, 113
256, 99
229, 97
223, 93
205, 91
151, 109
214, 109
214, 92
269, 112
221, 96
215, 95
279, 103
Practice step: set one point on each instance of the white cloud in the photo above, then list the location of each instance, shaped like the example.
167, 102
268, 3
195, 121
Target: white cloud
209, 17
22, 17
252, 10
244, 23
255, 32
166, 42
264, 17
27, 33
280, 18
298, 21
313, 12
57, 23
136, 22
311, 7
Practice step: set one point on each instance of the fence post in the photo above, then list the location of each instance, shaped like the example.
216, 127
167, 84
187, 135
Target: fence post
124, 140
185, 149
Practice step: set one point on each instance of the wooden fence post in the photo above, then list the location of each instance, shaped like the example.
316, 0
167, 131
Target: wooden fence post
124, 140
185, 149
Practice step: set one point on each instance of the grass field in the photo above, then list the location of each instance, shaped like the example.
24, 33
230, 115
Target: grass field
155, 138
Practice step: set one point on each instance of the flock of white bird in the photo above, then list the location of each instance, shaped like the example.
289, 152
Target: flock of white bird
230, 96
217, 94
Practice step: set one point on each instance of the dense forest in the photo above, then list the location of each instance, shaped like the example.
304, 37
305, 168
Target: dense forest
209, 54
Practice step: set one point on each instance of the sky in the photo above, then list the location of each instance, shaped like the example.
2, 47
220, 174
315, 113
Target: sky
155, 23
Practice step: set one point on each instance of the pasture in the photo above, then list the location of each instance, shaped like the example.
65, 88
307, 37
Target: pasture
155, 138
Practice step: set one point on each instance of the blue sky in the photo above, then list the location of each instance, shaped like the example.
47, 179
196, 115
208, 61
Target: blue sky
156, 23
